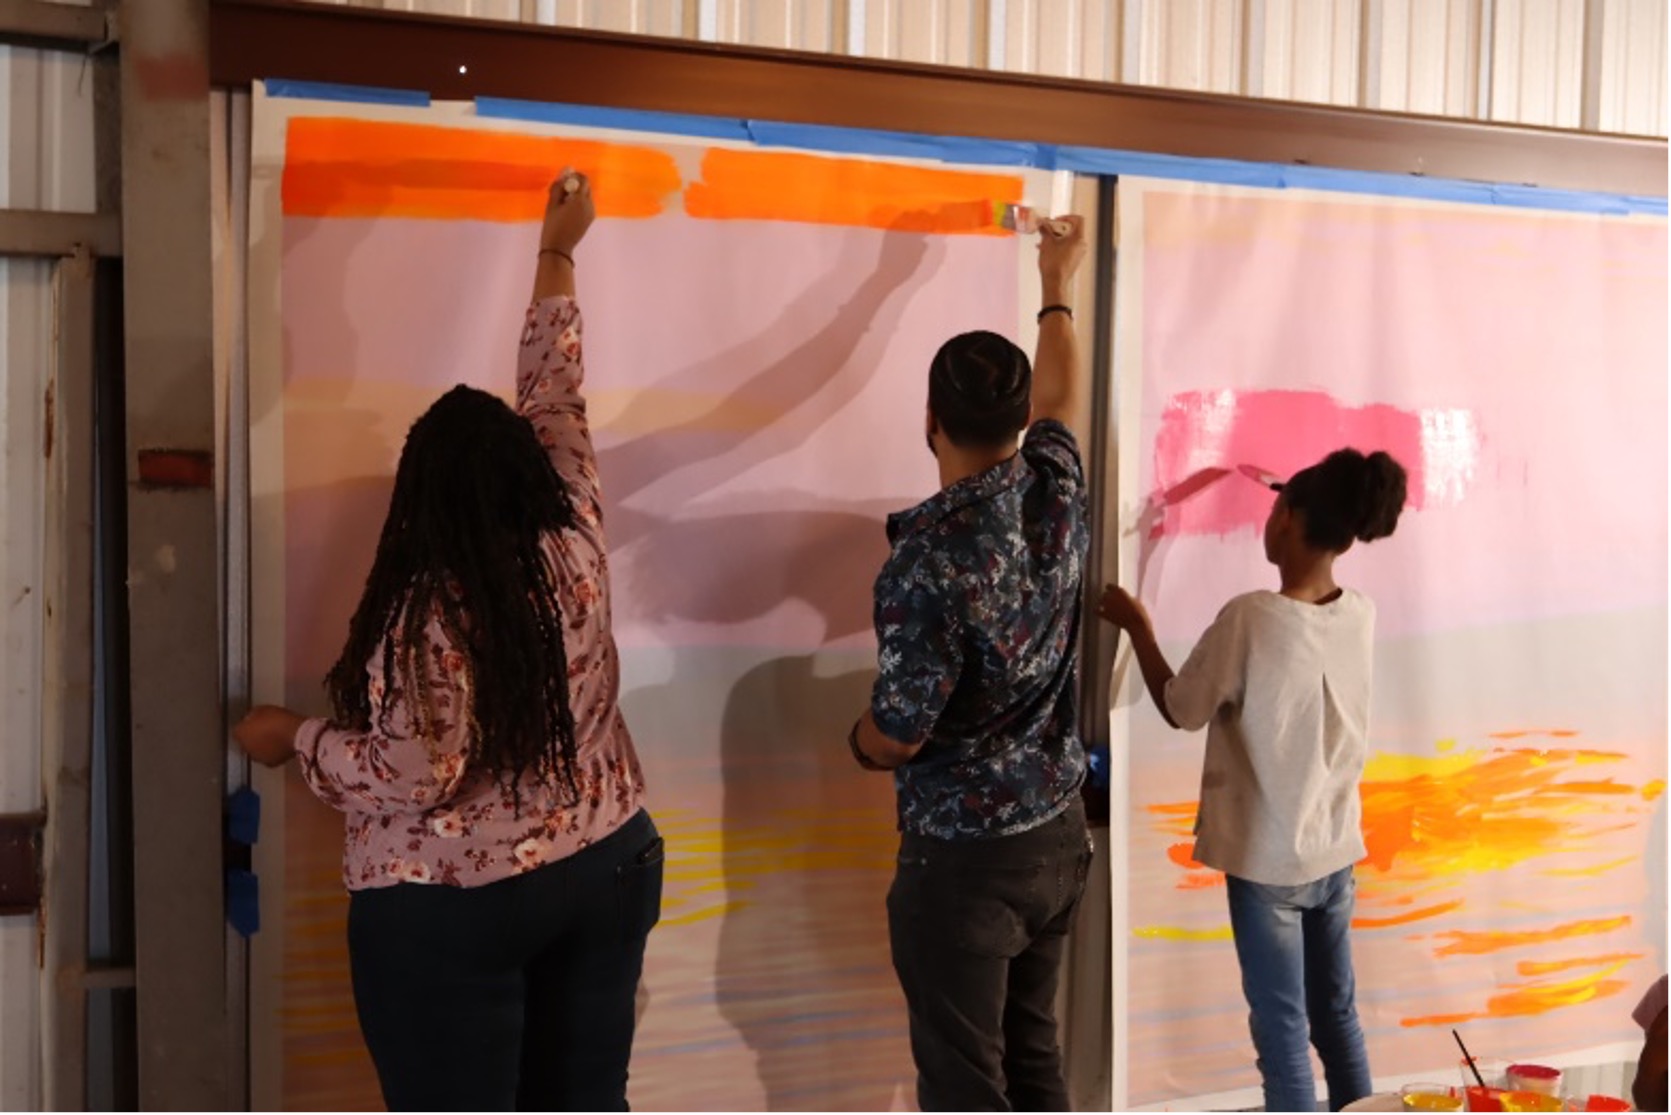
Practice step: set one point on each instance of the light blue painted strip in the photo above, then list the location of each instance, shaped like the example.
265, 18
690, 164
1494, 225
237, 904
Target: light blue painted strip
627, 119
1083, 160
1091, 160
911, 145
357, 94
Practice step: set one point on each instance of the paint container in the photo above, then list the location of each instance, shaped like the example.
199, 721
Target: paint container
1492, 1070
1488, 1098
1429, 1097
1516, 1100
1597, 1102
1535, 1078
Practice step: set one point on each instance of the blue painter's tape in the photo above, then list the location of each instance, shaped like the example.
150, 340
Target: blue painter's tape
629, 119
1082, 160
243, 901
358, 94
1091, 160
911, 145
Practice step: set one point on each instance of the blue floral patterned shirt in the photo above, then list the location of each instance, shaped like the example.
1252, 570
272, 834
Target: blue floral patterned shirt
977, 626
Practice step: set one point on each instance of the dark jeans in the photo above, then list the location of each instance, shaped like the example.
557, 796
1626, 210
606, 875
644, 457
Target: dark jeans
1294, 944
978, 928
517, 995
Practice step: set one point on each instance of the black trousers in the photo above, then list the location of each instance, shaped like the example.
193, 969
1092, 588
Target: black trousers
978, 929
517, 995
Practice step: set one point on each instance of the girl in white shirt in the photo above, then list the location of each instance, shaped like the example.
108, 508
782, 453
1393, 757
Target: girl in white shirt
1281, 680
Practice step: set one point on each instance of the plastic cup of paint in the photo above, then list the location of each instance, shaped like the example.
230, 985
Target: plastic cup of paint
1488, 1098
1520, 1100
1429, 1097
1596, 1101
1534, 1078
1492, 1070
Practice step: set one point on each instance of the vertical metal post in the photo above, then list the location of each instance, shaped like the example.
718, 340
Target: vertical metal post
186, 1042
67, 676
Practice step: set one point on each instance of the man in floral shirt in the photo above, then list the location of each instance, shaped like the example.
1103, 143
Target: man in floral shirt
977, 625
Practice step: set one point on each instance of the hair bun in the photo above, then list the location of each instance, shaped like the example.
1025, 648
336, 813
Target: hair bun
1384, 489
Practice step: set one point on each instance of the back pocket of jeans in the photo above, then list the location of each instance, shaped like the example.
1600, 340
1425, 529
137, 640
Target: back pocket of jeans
638, 889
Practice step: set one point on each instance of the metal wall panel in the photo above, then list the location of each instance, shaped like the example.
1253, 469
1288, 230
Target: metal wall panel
1521, 61
1191, 44
46, 162
1423, 56
1631, 64
1537, 62
1304, 50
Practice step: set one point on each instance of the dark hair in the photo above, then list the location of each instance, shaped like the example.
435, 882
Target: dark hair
473, 497
1348, 495
980, 388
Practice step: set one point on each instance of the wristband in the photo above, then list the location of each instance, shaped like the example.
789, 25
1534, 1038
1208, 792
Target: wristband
557, 252
1055, 308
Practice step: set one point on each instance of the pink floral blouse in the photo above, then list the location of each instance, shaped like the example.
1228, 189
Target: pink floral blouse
418, 810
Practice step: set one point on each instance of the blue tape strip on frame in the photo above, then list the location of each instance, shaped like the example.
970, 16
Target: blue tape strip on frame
1091, 160
1084, 160
629, 119
357, 94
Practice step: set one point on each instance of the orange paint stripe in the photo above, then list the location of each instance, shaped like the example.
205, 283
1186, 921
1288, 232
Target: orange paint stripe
787, 186
1545, 967
365, 168
1406, 918
1477, 944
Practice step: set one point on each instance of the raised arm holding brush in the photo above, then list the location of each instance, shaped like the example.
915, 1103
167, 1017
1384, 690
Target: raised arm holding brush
974, 710
502, 871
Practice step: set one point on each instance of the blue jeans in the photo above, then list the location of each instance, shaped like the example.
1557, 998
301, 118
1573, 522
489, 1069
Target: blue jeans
1297, 975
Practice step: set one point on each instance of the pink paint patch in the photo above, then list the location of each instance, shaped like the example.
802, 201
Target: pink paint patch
1278, 431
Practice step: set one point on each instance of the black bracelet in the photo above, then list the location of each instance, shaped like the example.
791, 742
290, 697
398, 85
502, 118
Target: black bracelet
557, 252
859, 756
1056, 307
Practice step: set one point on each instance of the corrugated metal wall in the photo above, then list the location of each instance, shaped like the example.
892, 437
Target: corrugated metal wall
1595, 64
1599, 64
46, 122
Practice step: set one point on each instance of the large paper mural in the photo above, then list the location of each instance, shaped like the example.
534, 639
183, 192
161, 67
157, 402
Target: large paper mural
1514, 802
759, 327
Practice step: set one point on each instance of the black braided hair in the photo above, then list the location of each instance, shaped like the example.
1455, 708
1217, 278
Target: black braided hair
474, 495
1347, 496
980, 388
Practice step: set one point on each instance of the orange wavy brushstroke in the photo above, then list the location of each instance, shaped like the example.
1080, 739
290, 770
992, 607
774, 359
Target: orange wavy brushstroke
787, 186
1522, 733
366, 168
1529, 999
1466, 943
1545, 967
1406, 918
1476, 812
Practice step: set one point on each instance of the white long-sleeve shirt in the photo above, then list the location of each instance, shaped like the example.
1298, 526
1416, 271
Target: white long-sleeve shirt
1283, 688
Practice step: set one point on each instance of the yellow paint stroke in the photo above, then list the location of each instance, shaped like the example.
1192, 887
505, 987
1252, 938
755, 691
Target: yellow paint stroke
1545, 967
1531, 999
1583, 872
1478, 943
1178, 933
1653, 790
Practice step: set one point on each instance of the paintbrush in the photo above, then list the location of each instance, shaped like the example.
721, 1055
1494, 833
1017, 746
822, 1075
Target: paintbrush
1018, 217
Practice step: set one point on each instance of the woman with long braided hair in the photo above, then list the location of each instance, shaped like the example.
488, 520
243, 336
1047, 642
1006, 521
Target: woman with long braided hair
503, 874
